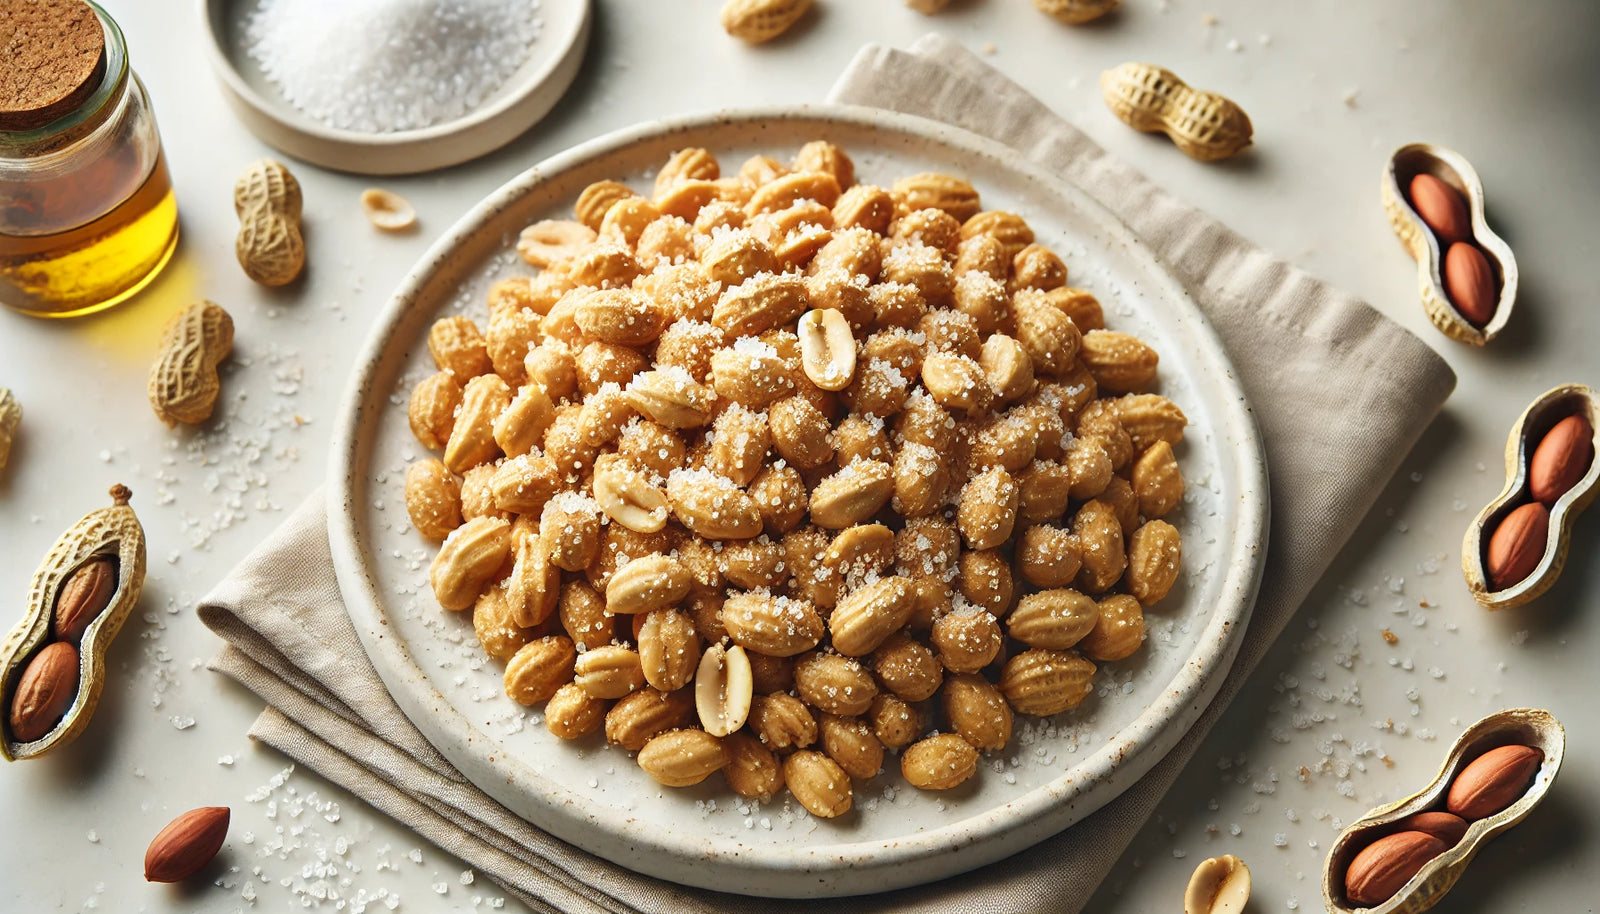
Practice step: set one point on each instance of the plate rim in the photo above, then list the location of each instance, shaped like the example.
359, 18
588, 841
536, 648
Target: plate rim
1184, 697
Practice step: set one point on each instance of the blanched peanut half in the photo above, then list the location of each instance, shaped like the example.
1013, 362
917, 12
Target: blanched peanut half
387, 210
544, 243
827, 349
722, 689
627, 496
1220, 885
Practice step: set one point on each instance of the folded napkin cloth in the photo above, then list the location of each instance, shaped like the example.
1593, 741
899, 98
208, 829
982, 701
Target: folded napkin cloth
1340, 392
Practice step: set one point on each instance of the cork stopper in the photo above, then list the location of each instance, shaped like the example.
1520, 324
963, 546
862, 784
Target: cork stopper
52, 57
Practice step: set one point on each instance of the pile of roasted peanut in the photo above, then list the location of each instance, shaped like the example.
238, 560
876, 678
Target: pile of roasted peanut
777, 462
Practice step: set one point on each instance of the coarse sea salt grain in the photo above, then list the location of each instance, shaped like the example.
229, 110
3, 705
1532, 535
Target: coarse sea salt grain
380, 66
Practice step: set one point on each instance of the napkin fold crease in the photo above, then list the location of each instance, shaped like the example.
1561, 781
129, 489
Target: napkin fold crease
1340, 393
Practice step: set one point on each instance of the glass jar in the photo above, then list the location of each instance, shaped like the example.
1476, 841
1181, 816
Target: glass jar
87, 215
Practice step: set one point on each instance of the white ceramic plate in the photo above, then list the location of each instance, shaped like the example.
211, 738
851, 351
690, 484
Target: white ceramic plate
595, 796
528, 95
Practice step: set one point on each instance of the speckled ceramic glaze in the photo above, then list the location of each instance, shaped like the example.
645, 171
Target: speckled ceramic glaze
1053, 774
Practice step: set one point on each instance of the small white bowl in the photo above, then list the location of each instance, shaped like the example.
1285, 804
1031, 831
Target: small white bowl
526, 97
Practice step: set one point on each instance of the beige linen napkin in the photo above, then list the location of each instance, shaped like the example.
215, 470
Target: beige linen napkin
1340, 393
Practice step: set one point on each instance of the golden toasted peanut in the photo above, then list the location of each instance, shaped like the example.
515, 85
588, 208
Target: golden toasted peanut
468, 560
521, 485
785, 190
641, 715
619, 545
1155, 554
946, 330
803, 551
583, 615
837, 289
770, 674
602, 416
609, 671
740, 444
850, 743
649, 445
477, 494
534, 587
1157, 482
669, 649
712, 505
984, 579
512, 332
939, 762
691, 164
433, 499
898, 305
852, 495
956, 382
920, 480
472, 439
723, 688
782, 721
920, 267
552, 366
1038, 268
867, 616
860, 438
938, 191
1100, 546
752, 373
760, 303
925, 422
600, 363
1043, 492
1009, 229
621, 229
1151, 419
682, 758
1008, 441
823, 156
988, 509
569, 530
1080, 306
725, 212
733, 257
498, 634
670, 239
671, 397
752, 771
1047, 556
1119, 363
647, 583
432, 410
895, 723
967, 639
522, 425
928, 547
1118, 629
1007, 367
572, 714
753, 564
1044, 682
561, 323
1088, 466
931, 227
627, 496
541, 667
1101, 421
818, 784
776, 626
980, 291
1049, 336
597, 199
800, 433
1055, 619
622, 317
977, 711
864, 206
865, 549
780, 494
1124, 504
834, 684
796, 233
907, 667
458, 347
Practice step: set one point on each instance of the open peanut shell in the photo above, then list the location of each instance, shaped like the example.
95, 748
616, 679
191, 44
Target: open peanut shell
113, 532
1551, 407
1450, 167
1516, 726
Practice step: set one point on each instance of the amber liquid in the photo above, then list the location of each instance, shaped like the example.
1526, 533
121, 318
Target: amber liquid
97, 264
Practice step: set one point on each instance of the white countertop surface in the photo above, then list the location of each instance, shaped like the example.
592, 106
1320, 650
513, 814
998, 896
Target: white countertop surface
1334, 722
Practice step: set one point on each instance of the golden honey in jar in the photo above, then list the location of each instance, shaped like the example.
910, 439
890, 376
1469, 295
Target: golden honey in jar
87, 215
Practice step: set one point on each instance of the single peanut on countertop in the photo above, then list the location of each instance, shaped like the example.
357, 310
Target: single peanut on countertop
1204, 125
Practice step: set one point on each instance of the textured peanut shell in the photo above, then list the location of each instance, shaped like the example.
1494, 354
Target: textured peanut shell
1453, 169
269, 246
107, 531
1516, 726
184, 383
1203, 125
1551, 406
10, 418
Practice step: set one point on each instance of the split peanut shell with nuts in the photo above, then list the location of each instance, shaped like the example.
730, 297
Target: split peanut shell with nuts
1466, 274
1514, 550
53, 663
1403, 857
